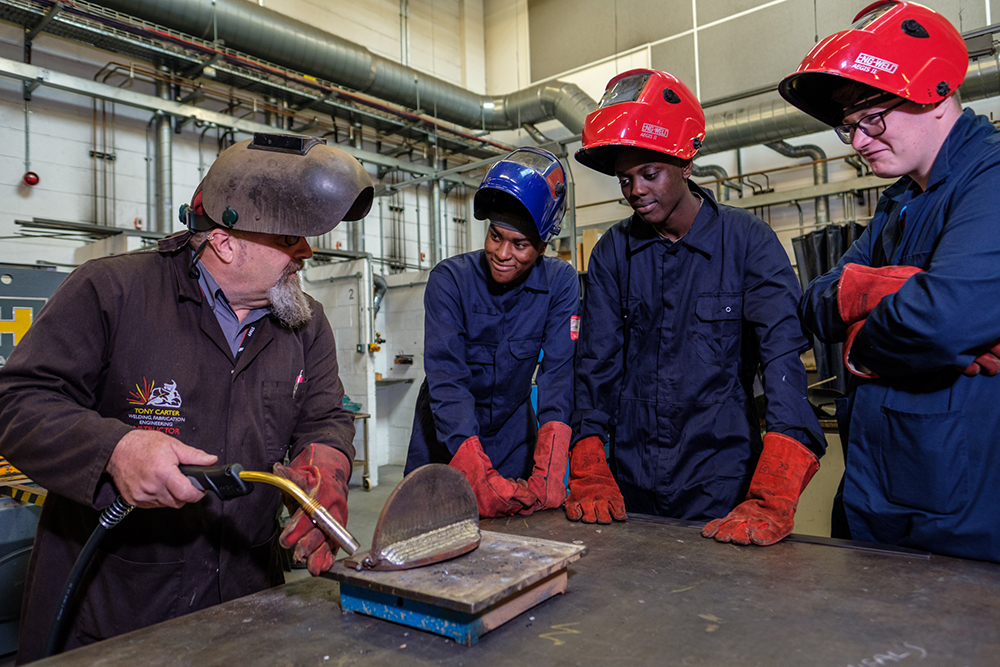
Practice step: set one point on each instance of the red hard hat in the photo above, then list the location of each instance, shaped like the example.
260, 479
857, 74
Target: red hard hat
642, 108
897, 46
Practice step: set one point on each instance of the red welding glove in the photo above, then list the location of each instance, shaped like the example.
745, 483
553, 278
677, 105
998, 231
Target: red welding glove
862, 287
548, 475
496, 495
987, 363
767, 515
856, 369
593, 493
322, 472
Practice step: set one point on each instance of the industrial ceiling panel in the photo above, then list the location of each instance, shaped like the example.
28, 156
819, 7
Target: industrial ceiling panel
757, 50
564, 34
676, 57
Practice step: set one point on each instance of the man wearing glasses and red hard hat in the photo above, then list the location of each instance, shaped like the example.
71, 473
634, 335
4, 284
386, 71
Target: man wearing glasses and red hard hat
687, 302
915, 298
488, 315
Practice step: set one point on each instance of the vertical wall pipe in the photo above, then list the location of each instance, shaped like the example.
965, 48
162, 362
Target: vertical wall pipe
820, 174
355, 235
163, 162
435, 221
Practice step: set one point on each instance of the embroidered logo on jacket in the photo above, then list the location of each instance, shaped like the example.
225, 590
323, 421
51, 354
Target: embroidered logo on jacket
157, 408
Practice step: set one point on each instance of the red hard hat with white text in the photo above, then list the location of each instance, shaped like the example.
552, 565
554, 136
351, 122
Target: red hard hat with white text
642, 108
896, 46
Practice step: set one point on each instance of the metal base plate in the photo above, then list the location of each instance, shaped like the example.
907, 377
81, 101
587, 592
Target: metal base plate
501, 566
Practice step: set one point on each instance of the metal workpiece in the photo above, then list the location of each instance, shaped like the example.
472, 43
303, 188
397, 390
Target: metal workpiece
430, 516
645, 594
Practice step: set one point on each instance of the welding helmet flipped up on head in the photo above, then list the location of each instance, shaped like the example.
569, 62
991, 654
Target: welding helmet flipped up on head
642, 108
895, 46
529, 180
280, 184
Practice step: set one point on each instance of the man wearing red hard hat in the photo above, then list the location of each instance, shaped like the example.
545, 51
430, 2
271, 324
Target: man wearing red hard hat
687, 301
914, 299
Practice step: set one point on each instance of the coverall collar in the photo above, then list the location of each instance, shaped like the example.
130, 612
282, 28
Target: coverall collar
701, 236
537, 280
951, 154
964, 130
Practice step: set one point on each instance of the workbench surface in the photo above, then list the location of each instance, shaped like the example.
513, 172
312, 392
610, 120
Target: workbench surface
645, 594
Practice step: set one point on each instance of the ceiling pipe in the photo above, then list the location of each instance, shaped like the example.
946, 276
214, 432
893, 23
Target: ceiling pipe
820, 172
272, 36
774, 119
716, 171
266, 34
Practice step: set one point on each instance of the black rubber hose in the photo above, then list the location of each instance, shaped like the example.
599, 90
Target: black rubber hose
109, 519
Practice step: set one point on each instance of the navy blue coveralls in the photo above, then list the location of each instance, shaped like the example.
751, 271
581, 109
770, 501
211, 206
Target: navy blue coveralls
923, 463
671, 339
481, 346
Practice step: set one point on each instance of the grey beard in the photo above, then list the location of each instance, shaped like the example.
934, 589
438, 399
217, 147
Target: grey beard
288, 302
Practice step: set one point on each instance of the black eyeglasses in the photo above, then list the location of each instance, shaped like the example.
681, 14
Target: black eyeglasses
873, 125
289, 241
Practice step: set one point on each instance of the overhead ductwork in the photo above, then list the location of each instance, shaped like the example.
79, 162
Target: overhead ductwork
773, 119
266, 34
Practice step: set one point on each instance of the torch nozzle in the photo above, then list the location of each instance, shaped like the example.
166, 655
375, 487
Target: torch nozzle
319, 514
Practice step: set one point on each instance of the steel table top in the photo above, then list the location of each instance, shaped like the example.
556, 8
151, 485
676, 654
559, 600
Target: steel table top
645, 594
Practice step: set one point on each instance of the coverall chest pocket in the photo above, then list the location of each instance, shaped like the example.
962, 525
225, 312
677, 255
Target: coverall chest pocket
717, 328
925, 460
525, 348
483, 325
480, 358
280, 413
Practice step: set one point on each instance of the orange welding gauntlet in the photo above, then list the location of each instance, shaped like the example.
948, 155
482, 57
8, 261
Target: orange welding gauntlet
855, 369
593, 493
547, 479
495, 494
322, 472
767, 515
862, 287
987, 363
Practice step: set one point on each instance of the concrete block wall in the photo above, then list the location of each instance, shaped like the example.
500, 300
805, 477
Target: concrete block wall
401, 321
344, 289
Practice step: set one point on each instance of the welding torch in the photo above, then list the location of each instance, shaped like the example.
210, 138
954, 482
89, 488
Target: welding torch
232, 481
227, 482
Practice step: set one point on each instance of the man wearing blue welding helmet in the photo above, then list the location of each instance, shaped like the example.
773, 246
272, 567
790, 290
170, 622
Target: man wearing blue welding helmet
489, 315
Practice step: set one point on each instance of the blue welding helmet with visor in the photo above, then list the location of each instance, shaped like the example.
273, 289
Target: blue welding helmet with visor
525, 191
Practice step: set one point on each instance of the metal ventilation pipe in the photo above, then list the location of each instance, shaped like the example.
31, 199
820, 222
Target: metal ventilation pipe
379, 289
266, 34
722, 187
820, 172
163, 163
773, 119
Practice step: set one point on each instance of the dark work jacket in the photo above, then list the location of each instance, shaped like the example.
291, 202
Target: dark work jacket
481, 346
95, 364
923, 465
672, 337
